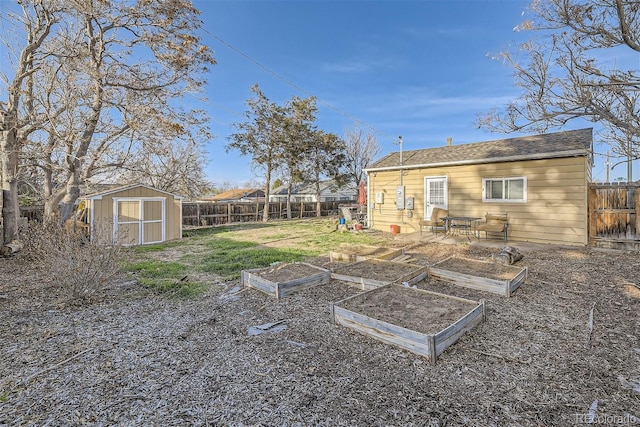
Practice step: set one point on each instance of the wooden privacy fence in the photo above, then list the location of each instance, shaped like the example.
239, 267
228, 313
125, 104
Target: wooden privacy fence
614, 221
207, 213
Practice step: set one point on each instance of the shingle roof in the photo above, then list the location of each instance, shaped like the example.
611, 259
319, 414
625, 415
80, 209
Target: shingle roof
559, 144
237, 194
305, 188
118, 188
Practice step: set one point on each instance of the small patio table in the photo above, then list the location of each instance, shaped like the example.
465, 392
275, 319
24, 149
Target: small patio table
463, 224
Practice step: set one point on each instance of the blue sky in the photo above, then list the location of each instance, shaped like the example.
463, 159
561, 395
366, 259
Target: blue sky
420, 69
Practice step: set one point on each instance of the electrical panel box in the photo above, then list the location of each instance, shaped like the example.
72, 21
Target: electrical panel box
400, 197
379, 197
409, 203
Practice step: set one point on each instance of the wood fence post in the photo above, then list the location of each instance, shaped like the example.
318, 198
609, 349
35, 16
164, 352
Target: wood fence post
591, 217
636, 207
228, 213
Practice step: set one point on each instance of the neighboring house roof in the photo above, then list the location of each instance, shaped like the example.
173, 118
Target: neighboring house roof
237, 194
100, 195
326, 187
552, 145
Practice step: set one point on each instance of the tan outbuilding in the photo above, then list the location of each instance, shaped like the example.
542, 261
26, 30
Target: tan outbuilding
133, 215
540, 183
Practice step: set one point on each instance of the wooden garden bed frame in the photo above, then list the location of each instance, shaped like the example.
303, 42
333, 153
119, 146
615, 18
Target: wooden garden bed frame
343, 255
416, 274
429, 345
252, 279
497, 286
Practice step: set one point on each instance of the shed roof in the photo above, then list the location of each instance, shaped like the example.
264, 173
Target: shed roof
571, 143
100, 195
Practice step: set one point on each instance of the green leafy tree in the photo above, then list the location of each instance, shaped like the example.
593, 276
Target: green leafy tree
260, 137
299, 130
277, 183
325, 157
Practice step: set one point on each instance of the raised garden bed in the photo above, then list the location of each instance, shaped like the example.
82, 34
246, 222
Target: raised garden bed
284, 279
373, 273
423, 322
480, 275
352, 253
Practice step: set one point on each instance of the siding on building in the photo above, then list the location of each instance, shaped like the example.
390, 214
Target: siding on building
556, 209
101, 213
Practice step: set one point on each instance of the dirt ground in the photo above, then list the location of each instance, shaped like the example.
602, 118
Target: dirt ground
486, 269
381, 271
427, 313
563, 350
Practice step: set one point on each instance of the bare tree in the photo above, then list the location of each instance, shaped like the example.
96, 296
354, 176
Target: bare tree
91, 80
177, 168
253, 183
14, 128
361, 150
565, 76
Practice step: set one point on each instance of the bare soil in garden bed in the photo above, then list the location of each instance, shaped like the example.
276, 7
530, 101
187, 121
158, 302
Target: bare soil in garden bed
385, 271
486, 269
286, 272
409, 308
566, 343
363, 250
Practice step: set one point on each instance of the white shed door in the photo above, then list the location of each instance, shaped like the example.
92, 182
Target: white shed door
152, 221
139, 221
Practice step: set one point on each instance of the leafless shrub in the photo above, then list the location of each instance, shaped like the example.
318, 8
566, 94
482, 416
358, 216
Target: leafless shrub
68, 258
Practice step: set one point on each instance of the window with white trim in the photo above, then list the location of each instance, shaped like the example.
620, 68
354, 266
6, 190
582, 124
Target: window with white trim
513, 189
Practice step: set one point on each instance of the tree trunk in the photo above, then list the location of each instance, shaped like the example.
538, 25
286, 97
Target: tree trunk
318, 198
9, 169
51, 197
51, 209
289, 199
265, 215
68, 202
10, 249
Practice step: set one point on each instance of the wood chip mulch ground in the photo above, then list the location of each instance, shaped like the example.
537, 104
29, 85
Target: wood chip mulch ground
563, 350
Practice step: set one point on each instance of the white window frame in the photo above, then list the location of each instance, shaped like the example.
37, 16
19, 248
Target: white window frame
429, 204
504, 179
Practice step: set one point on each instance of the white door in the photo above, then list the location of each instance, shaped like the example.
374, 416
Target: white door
152, 222
435, 194
126, 222
139, 221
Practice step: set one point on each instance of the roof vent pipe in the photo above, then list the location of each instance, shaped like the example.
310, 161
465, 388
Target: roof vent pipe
449, 139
